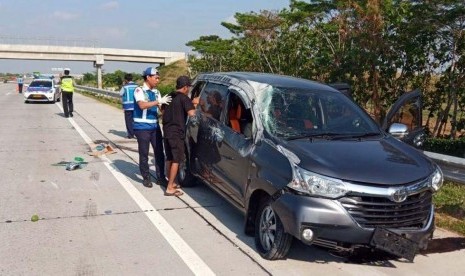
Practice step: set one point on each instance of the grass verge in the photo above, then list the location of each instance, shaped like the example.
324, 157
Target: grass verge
450, 207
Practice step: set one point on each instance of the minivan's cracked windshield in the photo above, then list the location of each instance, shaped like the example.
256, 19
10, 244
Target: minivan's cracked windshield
293, 113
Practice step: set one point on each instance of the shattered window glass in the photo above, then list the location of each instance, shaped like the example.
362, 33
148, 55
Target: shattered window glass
292, 112
212, 100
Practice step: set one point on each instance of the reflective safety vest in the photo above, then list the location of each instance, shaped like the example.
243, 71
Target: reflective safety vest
67, 84
146, 119
128, 97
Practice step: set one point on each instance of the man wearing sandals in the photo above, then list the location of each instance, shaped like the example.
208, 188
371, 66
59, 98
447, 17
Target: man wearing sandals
174, 121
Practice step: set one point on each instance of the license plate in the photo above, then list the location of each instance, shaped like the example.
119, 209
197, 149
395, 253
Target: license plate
37, 96
393, 243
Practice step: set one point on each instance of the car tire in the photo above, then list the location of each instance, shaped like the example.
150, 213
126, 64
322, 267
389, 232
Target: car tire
271, 241
185, 176
26, 101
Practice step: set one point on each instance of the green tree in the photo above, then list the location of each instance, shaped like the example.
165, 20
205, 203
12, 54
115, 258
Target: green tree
381, 47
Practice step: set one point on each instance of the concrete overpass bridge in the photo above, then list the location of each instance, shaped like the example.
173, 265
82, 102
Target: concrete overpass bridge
91, 54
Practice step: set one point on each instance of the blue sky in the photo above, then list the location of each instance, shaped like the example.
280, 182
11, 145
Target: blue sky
159, 25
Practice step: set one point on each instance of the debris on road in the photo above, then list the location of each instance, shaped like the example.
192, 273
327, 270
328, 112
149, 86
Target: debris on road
101, 149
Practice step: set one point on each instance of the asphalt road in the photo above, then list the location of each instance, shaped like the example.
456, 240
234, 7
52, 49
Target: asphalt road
100, 220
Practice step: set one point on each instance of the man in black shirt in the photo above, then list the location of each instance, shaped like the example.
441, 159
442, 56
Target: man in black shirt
174, 121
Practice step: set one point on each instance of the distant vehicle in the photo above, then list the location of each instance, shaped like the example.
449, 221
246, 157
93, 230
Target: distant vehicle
42, 90
303, 161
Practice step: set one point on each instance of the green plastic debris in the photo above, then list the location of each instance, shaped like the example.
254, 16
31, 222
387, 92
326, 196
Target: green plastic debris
78, 159
34, 218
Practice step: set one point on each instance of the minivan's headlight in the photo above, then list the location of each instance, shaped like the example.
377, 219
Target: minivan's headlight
436, 179
314, 184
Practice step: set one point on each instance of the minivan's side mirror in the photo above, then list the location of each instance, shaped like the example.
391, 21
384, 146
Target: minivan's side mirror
398, 130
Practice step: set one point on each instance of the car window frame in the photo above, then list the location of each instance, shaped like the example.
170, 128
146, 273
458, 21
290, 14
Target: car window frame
226, 120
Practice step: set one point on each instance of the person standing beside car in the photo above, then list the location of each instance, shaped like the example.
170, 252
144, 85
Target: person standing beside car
127, 99
20, 81
174, 122
67, 89
146, 128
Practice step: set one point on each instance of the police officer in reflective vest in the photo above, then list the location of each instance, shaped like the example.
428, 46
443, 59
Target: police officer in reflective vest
146, 128
67, 89
127, 99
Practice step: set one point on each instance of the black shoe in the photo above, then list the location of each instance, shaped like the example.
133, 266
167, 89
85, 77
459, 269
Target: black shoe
162, 181
71, 114
66, 116
147, 183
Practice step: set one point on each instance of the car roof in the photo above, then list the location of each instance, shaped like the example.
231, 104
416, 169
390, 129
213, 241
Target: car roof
273, 80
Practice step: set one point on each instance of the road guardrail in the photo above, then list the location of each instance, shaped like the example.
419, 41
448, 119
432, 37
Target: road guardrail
108, 93
452, 167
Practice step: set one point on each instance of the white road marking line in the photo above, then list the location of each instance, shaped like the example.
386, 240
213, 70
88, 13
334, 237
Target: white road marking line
187, 254
54, 185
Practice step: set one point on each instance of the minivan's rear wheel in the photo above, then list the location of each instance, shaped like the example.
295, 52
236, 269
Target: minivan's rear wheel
270, 239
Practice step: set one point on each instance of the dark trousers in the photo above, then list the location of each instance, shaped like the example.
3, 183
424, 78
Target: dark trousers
145, 138
129, 122
67, 98
20, 87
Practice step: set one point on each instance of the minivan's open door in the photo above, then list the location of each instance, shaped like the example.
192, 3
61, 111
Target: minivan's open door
404, 119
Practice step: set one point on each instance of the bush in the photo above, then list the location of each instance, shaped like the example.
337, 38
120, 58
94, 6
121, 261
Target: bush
446, 146
165, 89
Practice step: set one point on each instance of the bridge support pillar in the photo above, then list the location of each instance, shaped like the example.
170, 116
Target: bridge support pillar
99, 76
98, 63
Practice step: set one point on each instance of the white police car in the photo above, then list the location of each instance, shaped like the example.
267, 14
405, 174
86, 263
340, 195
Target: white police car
42, 90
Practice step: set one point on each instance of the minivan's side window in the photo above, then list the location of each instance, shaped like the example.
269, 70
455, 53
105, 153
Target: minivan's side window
195, 92
212, 100
239, 118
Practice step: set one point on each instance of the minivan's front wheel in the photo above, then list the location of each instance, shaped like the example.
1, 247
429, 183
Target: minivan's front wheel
270, 239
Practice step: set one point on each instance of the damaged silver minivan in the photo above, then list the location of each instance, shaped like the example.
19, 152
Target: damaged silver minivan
301, 160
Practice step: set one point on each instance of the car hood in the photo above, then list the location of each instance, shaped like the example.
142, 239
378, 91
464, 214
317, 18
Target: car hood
38, 89
386, 161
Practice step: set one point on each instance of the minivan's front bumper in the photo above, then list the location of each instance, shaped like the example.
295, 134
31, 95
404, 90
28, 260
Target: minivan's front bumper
329, 221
